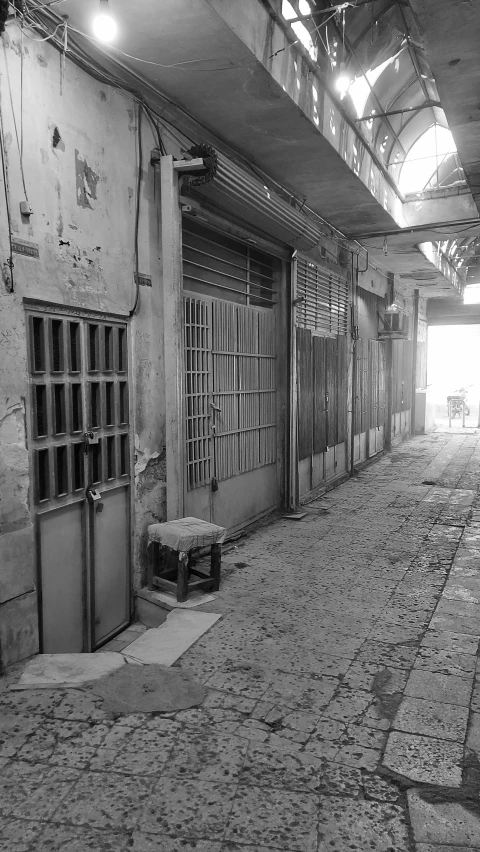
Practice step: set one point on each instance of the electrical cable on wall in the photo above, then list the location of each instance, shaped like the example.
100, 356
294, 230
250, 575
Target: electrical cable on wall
9, 263
137, 209
18, 136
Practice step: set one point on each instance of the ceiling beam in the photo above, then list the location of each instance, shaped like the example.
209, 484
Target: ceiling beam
337, 8
398, 111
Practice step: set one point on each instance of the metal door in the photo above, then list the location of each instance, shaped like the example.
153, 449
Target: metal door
231, 428
81, 472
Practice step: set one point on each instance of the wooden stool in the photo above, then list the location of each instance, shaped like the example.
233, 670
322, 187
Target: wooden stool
182, 537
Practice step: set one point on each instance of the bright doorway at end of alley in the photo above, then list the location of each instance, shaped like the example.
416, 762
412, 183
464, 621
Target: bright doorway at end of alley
453, 364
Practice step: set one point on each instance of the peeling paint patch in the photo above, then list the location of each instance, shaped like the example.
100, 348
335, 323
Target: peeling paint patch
143, 458
102, 95
87, 181
57, 141
41, 60
44, 156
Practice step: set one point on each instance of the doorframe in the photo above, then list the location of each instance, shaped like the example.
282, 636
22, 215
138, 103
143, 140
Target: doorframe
172, 275
61, 310
173, 329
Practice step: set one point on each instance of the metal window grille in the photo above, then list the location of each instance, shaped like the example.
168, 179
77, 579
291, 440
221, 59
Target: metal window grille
197, 396
67, 398
215, 264
324, 295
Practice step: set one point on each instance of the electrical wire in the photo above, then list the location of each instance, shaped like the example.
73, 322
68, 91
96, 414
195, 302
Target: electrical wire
48, 37
175, 65
19, 143
137, 208
10, 263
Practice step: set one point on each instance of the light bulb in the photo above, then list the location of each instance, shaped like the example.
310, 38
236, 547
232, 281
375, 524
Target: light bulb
104, 26
342, 83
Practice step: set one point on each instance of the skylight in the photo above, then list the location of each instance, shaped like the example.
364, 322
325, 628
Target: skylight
471, 294
298, 28
361, 88
421, 165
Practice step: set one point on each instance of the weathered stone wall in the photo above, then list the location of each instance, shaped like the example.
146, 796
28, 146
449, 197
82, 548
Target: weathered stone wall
80, 164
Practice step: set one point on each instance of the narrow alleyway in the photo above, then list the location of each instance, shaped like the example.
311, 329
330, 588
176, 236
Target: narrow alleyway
339, 714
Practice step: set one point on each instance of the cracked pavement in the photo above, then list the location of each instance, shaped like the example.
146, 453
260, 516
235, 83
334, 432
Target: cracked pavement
342, 712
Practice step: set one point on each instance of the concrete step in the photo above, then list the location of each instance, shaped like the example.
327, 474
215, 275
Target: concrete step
149, 610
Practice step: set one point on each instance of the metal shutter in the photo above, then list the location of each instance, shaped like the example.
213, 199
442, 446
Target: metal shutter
324, 294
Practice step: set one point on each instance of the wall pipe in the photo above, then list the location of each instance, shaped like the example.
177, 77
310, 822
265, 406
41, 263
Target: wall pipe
414, 361
354, 333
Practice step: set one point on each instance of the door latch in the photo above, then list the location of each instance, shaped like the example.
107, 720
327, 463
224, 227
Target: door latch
93, 495
91, 438
215, 407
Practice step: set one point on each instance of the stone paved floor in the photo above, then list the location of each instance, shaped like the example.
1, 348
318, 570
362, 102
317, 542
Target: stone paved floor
342, 713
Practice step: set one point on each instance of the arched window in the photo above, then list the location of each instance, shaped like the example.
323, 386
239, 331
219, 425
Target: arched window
424, 165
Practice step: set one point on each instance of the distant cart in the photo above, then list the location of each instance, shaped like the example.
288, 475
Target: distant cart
457, 407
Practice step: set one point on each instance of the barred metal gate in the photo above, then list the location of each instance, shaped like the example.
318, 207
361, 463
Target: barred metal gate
81, 472
230, 402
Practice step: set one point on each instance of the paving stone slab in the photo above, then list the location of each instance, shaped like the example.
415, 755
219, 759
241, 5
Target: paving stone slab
142, 842
359, 757
47, 671
207, 754
445, 662
385, 655
269, 767
63, 838
302, 693
279, 818
447, 640
181, 807
473, 738
424, 759
357, 826
17, 835
427, 847
448, 689
456, 624
14, 732
36, 789
443, 822
105, 801
419, 716
339, 780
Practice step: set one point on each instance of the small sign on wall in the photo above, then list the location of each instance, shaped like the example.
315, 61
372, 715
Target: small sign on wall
25, 247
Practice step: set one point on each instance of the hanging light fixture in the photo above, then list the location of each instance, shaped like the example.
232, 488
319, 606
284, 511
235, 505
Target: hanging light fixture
104, 26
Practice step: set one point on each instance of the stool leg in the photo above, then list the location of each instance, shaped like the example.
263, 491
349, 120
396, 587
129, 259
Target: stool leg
215, 565
153, 547
182, 577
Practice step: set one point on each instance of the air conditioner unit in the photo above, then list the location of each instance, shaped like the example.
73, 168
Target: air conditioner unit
395, 325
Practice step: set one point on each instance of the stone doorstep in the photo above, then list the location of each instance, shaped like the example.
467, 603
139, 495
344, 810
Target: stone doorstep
149, 610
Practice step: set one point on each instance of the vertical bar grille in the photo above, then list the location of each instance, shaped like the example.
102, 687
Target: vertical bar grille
62, 353
74, 347
244, 388
216, 264
197, 386
324, 295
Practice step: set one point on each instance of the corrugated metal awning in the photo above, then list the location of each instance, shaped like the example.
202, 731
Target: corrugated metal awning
243, 195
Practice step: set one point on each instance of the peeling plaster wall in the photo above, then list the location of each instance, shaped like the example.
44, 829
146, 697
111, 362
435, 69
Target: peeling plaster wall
80, 167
